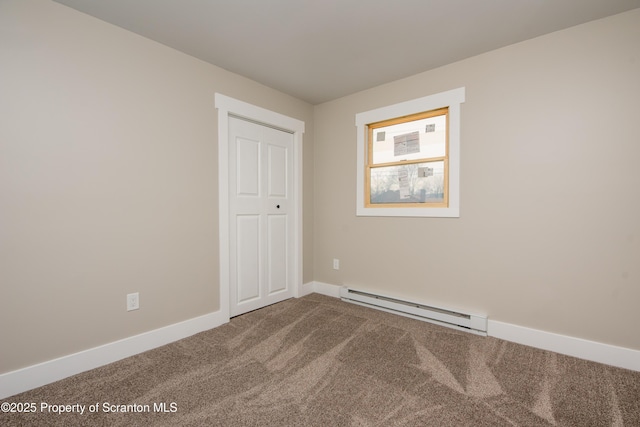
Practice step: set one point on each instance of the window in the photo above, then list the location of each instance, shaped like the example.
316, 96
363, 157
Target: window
407, 161
409, 157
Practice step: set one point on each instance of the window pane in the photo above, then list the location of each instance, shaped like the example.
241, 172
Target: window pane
414, 183
418, 139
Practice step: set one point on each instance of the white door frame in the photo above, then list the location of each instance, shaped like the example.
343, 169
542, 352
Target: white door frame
227, 106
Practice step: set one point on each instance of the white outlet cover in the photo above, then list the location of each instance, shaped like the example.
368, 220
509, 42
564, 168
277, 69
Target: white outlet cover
133, 301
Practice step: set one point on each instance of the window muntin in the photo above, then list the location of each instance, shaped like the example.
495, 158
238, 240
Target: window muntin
407, 161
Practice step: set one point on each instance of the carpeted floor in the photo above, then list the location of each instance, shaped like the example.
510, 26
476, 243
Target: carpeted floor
317, 361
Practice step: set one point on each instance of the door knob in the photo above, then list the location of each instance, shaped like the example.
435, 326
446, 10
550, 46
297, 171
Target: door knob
278, 206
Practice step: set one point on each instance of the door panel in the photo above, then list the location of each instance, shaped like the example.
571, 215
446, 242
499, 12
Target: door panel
261, 228
248, 257
248, 167
277, 171
277, 266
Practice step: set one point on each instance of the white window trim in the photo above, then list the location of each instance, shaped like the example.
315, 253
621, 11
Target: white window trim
452, 99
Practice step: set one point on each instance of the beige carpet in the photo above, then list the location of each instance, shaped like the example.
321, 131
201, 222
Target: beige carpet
316, 361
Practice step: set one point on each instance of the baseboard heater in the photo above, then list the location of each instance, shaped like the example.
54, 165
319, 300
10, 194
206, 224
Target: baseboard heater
473, 323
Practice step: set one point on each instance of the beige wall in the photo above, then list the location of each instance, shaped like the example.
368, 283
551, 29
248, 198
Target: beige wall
108, 181
549, 233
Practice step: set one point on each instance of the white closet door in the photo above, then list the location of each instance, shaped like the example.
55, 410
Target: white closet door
261, 228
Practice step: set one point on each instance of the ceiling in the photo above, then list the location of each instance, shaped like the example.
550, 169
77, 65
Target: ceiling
319, 50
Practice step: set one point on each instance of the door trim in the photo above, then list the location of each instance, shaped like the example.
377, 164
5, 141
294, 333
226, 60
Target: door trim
229, 106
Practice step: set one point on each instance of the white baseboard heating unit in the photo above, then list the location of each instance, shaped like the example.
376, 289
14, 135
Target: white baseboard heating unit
473, 323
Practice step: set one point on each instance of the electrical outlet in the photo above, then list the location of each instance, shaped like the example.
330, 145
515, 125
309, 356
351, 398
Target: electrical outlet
336, 264
133, 301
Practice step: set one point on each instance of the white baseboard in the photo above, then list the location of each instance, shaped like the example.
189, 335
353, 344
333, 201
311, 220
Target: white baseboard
34, 376
577, 347
31, 377
326, 289
306, 289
